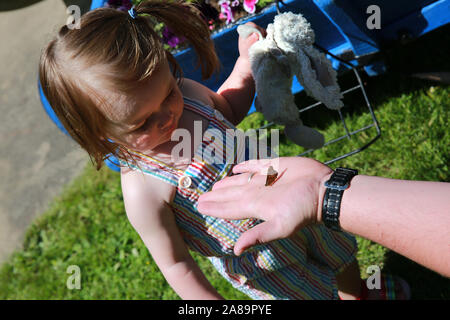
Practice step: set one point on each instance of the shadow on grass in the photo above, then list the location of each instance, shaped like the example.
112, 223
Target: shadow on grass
9, 5
6, 5
424, 283
83, 4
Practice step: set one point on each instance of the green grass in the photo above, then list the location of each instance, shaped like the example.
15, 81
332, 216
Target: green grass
87, 226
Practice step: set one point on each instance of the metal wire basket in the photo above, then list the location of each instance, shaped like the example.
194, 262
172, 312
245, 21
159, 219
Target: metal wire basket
349, 134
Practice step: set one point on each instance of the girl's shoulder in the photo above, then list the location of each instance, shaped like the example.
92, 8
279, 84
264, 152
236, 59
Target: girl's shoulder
196, 91
137, 186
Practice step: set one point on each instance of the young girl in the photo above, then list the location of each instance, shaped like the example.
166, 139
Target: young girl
111, 85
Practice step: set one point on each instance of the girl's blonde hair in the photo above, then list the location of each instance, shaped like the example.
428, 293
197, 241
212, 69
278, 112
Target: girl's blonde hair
113, 53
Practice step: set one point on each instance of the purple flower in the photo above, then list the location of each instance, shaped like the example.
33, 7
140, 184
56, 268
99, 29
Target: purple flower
170, 38
114, 3
123, 5
127, 4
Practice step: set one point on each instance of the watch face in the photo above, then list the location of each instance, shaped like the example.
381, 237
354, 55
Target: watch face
347, 170
336, 184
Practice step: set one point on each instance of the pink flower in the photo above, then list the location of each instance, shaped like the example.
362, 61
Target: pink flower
225, 11
250, 5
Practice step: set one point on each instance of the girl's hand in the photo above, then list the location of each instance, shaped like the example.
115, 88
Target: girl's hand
246, 43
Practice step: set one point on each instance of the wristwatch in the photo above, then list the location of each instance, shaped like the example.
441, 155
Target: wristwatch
335, 186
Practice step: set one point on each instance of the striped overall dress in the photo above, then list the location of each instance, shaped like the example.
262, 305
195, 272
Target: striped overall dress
303, 266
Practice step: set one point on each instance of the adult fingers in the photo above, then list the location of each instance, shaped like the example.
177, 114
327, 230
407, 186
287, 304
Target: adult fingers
261, 233
248, 190
225, 209
260, 166
230, 193
243, 179
230, 181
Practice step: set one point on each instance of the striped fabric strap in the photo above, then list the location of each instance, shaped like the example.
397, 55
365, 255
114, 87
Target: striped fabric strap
199, 108
154, 167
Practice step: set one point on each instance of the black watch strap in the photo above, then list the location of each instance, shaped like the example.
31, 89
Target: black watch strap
331, 207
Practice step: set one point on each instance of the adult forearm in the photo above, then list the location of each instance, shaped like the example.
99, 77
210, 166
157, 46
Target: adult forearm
189, 282
409, 217
239, 89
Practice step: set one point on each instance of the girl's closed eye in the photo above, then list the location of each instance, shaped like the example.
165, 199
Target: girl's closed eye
151, 118
146, 124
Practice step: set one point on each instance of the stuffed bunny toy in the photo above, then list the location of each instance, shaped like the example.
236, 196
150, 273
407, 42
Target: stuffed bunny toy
286, 51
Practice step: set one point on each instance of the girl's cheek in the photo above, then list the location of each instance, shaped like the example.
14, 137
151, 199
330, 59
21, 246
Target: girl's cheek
180, 98
142, 141
179, 105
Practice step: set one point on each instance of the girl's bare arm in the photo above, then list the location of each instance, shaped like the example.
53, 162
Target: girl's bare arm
234, 97
154, 221
237, 91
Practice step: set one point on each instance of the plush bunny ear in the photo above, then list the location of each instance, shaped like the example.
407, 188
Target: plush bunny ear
304, 136
273, 81
294, 35
291, 31
258, 106
318, 77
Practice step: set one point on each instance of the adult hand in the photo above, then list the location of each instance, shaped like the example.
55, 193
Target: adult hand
292, 202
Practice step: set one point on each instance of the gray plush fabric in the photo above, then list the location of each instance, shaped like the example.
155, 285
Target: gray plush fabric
286, 51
